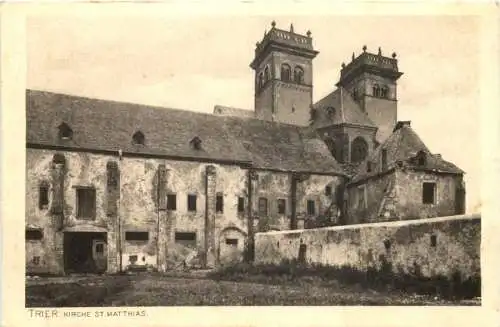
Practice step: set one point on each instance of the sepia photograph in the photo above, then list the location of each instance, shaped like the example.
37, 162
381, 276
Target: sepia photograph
260, 160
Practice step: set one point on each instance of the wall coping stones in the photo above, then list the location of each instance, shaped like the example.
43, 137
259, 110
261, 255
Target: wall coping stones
388, 224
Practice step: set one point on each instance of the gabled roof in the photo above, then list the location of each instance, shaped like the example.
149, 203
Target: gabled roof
345, 110
402, 149
109, 126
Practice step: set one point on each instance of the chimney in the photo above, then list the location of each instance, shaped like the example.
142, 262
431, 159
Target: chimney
401, 124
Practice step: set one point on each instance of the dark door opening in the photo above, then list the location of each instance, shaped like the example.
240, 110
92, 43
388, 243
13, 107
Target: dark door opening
85, 252
302, 253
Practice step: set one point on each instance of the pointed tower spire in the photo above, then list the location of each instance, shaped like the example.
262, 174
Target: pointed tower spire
353, 56
291, 28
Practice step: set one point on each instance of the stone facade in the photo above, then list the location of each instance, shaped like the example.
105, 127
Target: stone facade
280, 95
398, 195
113, 186
132, 196
434, 247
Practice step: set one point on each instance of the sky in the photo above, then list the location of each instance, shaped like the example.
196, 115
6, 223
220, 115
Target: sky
194, 63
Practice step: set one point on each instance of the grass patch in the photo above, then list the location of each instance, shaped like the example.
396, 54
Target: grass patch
382, 279
88, 294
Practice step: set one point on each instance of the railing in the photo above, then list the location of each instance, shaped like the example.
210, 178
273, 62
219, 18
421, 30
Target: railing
371, 60
286, 37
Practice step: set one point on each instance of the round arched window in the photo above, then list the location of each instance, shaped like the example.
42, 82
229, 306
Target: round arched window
285, 72
359, 149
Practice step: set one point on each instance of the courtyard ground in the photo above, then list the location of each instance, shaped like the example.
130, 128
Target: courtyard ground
192, 290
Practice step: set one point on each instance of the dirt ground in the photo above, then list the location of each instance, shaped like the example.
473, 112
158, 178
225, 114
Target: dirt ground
161, 290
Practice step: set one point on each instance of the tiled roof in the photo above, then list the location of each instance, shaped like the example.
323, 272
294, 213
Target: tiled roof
232, 111
108, 126
345, 110
403, 148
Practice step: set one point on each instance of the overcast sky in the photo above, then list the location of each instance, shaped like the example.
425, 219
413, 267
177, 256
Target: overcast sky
195, 63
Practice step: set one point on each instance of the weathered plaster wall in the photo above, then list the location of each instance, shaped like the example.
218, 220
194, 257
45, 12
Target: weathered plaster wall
140, 212
133, 205
368, 202
457, 248
275, 185
38, 170
137, 209
398, 196
409, 187
80, 170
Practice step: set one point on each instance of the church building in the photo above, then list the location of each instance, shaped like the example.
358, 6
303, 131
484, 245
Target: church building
113, 186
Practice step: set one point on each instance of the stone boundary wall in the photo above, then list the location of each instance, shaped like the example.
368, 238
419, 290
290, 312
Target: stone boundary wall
430, 247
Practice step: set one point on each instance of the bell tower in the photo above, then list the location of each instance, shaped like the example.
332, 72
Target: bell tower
371, 79
283, 76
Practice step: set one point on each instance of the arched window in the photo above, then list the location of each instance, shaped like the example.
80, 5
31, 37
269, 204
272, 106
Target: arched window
359, 149
298, 75
267, 77
384, 92
138, 138
376, 90
285, 72
196, 143
65, 132
260, 80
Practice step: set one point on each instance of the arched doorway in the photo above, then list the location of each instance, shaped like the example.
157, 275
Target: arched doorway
231, 245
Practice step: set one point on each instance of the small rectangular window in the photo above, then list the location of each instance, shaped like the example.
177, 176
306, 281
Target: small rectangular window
368, 167
99, 248
171, 202
136, 236
34, 235
86, 203
311, 208
241, 204
262, 207
428, 193
232, 241
185, 236
132, 259
328, 190
43, 197
281, 206
433, 241
191, 202
219, 203
36, 260
387, 245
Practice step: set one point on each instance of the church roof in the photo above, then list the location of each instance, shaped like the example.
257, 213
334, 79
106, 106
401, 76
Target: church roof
403, 148
338, 107
102, 125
